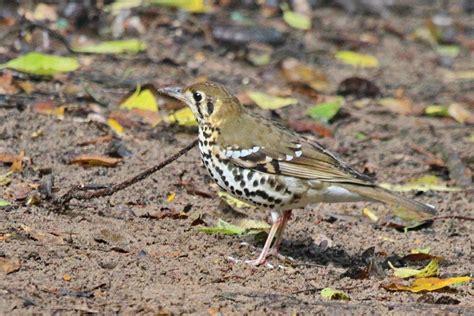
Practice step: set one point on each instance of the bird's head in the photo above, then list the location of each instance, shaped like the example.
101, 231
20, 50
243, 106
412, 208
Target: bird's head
210, 102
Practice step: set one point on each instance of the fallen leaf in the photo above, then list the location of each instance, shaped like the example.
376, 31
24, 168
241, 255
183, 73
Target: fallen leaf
95, 160
460, 114
431, 269
42, 64
436, 110
96, 140
460, 75
67, 277
371, 215
270, 102
5, 178
6, 83
232, 201
45, 12
131, 46
359, 87
170, 197
296, 20
423, 184
183, 117
425, 284
48, 107
223, 227
327, 110
143, 99
9, 265
332, 294
399, 105
195, 6
17, 164
356, 59
4, 203
360, 136
425, 250
308, 126
298, 73
115, 126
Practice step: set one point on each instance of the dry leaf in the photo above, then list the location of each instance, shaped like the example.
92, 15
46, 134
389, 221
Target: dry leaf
431, 269
9, 265
6, 83
95, 160
425, 284
307, 126
401, 106
49, 108
298, 73
460, 114
17, 164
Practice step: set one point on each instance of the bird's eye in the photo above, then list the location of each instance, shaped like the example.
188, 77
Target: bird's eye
197, 96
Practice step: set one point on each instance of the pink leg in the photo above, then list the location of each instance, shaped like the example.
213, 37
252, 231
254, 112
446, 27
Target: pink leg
279, 234
276, 227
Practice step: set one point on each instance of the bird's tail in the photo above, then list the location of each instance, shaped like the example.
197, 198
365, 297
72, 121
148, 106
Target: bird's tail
376, 193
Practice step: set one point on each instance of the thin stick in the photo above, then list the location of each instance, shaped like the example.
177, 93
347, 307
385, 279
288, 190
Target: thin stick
78, 192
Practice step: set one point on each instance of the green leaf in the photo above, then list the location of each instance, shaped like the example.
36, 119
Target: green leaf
424, 183
332, 294
4, 203
245, 227
327, 110
132, 46
431, 269
42, 64
436, 110
195, 6
451, 51
232, 201
297, 20
141, 99
360, 136
356, 59
270, 102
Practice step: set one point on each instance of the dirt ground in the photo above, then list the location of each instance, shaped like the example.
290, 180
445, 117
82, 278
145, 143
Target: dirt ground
127, 254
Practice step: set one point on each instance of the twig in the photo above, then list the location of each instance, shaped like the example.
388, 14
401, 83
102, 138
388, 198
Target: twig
78, 192
28, 24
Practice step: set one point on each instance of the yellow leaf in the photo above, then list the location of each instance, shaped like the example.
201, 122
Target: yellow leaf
426, 284
269, 102
297, 72
115, 126
183, 117
460, 75
232, 201
356, 59
436, 110
424, 183
5, 178
430, 270
170, 197
67, 277
332, 294
141, 99
371, 215
195, 6
297, 20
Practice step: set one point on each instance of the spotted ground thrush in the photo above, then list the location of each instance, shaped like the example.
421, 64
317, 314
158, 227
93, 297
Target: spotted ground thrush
269, 166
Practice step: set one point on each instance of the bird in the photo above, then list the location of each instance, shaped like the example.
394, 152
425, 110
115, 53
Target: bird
271, 167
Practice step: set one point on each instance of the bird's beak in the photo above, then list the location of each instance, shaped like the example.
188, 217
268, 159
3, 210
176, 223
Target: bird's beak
173, 92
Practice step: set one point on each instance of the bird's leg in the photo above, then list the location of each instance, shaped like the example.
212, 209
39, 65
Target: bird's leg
276, 227
279, 235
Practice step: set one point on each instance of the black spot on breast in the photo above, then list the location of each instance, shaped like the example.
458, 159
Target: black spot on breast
238, 192
250, 175
246, 192
237, 177
255, 183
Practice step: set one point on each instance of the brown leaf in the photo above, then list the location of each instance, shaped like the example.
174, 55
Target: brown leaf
19, 191
95, 160
8, 266
298, 73
7, 158
307, 126
17, 164
48, 107
6, 83
399, 105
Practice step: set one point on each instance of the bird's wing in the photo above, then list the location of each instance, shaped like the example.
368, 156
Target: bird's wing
287, 153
